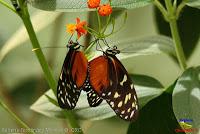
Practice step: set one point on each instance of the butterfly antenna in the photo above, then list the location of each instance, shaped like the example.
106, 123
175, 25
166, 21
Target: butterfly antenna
105, 42
98, 44
70, 38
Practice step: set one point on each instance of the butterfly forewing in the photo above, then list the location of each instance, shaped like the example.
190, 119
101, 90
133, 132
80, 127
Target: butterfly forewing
110, 81
72, 77
121, 95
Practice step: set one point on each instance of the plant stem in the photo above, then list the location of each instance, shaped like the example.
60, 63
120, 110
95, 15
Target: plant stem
179, 8
87, 50
17, 119
8, 6
172, 18
24, 14
99, 21
70, 116
178, 47
161, 8
48, 74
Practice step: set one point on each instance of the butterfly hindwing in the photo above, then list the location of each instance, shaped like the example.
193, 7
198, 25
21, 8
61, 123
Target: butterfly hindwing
71, 79
67, 93
121, 95
93, 98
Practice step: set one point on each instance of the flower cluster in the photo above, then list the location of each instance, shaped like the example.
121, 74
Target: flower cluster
81, 26
103, 10
78, 27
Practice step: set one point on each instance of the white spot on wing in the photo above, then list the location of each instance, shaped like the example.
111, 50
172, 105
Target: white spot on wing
126, 99
135, 97
61, 75
116, 95
63, 101
94, 95
120, 104
68, 102
132, 86
112, 104
136, 107
132, 113
124, 80
129, 96
133, 104
126, 117
63, 83
109, 93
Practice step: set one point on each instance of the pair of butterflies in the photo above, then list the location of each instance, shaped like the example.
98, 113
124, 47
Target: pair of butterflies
103, 78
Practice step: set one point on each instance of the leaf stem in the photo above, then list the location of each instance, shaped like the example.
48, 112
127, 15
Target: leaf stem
48, 74
177, 41
175, 35
171, 18
8, 6
161, 8
179, 8
17, 119
87, 50
70, 117
99, 21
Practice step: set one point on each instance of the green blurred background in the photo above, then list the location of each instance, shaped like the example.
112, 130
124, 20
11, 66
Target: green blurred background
21, 77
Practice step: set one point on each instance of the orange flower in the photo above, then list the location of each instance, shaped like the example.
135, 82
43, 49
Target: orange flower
105, 10
93, 3
80, 27
71, 28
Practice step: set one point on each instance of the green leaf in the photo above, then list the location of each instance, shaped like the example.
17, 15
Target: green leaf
21, 36
146, 88
186, 97
189, 29
194, 3
81, 5
156, 117
146, 46
145, 91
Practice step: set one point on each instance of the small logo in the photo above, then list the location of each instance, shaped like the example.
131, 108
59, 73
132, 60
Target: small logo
186, 126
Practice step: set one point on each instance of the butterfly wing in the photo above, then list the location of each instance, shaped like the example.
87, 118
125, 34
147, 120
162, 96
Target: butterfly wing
110, 81
93, 98
96, 81
121, 95
72, 77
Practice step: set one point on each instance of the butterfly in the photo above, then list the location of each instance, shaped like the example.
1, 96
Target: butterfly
110, 80
74, 78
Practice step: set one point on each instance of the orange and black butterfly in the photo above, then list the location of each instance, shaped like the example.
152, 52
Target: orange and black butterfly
110, 80
74, 78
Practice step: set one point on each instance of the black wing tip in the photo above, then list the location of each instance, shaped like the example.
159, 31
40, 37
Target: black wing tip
132, 119
67, 107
